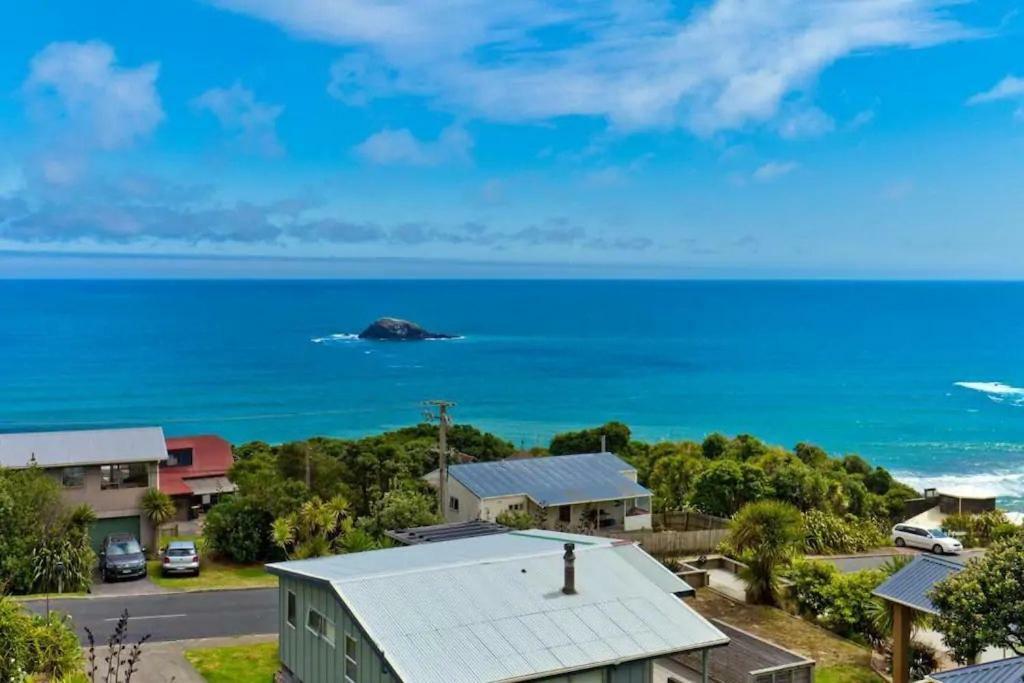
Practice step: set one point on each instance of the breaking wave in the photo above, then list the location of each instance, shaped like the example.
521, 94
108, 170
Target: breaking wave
1002, 484
335, 338
997, 392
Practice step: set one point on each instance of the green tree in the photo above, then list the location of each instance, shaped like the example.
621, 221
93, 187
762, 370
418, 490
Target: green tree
714, 445
239, 528
811, 455
982, 605
314, 529
766, 534
617, 436
673, 477
159, 509
727, 485
405, 508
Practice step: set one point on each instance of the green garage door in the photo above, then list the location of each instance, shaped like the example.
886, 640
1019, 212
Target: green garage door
112, 525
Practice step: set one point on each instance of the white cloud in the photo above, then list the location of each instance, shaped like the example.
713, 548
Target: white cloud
724, 65
239, 112
82, 85
806, 122
391, 147
774, 170
1010, 88
862, 119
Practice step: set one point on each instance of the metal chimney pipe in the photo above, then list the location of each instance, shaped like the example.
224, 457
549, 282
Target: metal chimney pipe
569, 587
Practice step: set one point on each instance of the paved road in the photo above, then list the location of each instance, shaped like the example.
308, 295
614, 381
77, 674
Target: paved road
853, 563
174, 616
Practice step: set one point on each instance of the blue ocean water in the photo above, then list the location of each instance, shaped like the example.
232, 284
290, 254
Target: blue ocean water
853, 366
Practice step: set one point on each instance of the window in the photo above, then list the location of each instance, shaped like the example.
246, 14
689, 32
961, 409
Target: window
126, 476
565, 514
515, 506
179, 457
453, 503
320, 626
291, 609
351, 660
72, 477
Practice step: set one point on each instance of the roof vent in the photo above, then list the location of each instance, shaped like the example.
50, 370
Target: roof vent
569, 587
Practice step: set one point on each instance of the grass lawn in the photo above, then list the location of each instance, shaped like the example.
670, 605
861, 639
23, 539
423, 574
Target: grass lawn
235, 664
837, 660
215, 575
845, 673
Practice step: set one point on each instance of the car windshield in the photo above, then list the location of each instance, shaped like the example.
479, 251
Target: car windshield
124, 548
938, 533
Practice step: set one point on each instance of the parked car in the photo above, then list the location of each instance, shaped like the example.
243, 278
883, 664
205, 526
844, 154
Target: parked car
936, 540
122, 558
180, 557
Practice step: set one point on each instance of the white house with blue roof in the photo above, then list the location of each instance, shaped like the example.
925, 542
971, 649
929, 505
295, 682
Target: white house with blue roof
565, 492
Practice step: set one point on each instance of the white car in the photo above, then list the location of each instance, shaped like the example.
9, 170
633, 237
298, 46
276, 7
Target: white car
936, 540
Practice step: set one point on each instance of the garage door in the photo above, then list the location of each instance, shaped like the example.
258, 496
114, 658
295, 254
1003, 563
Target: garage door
112, 525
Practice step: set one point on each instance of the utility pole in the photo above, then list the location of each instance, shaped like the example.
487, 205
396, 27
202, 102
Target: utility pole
443, 421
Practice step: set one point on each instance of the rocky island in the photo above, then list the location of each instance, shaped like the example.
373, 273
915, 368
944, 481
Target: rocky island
396, 329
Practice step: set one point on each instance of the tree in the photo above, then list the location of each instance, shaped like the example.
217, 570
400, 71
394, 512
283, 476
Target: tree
982, 605
404, 508
811, 455
714, 445
314, 529
617, 436
158, 508
672, 479
239, 528
727, 485
766, 534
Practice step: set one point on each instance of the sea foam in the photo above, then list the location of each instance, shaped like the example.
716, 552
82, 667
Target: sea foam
997, 392
335, 338
1002, 484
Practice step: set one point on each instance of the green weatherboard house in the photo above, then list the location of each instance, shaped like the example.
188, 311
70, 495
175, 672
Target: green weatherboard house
518, 606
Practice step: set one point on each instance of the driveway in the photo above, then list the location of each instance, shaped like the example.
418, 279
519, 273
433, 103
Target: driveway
172, 616
876, 558
125, 588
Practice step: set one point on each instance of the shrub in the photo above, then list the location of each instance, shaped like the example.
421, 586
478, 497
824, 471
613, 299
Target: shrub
981, 529
239, 528
516, 519
809, 581
850, 608
828, 533
55, 648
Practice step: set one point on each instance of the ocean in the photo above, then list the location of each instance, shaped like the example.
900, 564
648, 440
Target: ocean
923, 378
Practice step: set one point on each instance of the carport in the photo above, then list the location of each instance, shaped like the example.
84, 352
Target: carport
907, 591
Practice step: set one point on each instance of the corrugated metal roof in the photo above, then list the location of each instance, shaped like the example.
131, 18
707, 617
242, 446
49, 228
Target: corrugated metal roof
490, 608
552, 480
1002, 671
910, 586
435, 533
83, 447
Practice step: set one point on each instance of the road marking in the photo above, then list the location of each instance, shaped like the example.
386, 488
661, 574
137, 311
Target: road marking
152, 616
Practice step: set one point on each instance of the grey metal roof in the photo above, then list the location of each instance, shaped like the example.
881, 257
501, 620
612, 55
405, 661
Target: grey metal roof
910, 586
1002, 671
490, 608
83, 447
552, 480
446, 532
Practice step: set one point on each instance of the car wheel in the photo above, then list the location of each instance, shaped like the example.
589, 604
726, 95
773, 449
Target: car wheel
937, 549
900, 543
197, 572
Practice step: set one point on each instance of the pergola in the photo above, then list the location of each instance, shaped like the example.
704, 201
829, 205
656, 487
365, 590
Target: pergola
907, 591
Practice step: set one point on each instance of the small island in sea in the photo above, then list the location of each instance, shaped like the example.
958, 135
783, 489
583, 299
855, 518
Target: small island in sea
396, 329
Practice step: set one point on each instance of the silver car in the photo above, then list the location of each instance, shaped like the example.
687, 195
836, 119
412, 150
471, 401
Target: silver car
180, 557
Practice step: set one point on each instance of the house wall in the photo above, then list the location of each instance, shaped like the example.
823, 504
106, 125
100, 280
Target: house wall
469, 504
490, 508
110, 502
640, 671
308, 657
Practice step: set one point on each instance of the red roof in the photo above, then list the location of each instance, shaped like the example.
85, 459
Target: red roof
211, 457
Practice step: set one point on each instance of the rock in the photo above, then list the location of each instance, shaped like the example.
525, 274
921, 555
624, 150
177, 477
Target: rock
395, 329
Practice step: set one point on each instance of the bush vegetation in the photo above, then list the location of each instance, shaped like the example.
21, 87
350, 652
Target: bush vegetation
34, 645
981, 530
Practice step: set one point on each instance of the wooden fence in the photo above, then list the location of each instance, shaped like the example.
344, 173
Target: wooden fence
670, 543
687, 520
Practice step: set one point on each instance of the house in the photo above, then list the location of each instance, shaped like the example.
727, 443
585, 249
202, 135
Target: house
195, 473
565, 492
107, 469
518, 606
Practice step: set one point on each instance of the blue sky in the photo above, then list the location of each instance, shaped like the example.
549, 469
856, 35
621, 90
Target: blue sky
309, 138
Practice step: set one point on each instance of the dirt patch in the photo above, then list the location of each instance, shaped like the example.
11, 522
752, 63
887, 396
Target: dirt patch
783, 629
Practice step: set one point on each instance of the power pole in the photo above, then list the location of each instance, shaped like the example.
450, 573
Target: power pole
443, 421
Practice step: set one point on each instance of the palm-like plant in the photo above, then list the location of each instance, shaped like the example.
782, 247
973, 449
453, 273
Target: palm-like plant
158, 508
314, 529
766, 534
